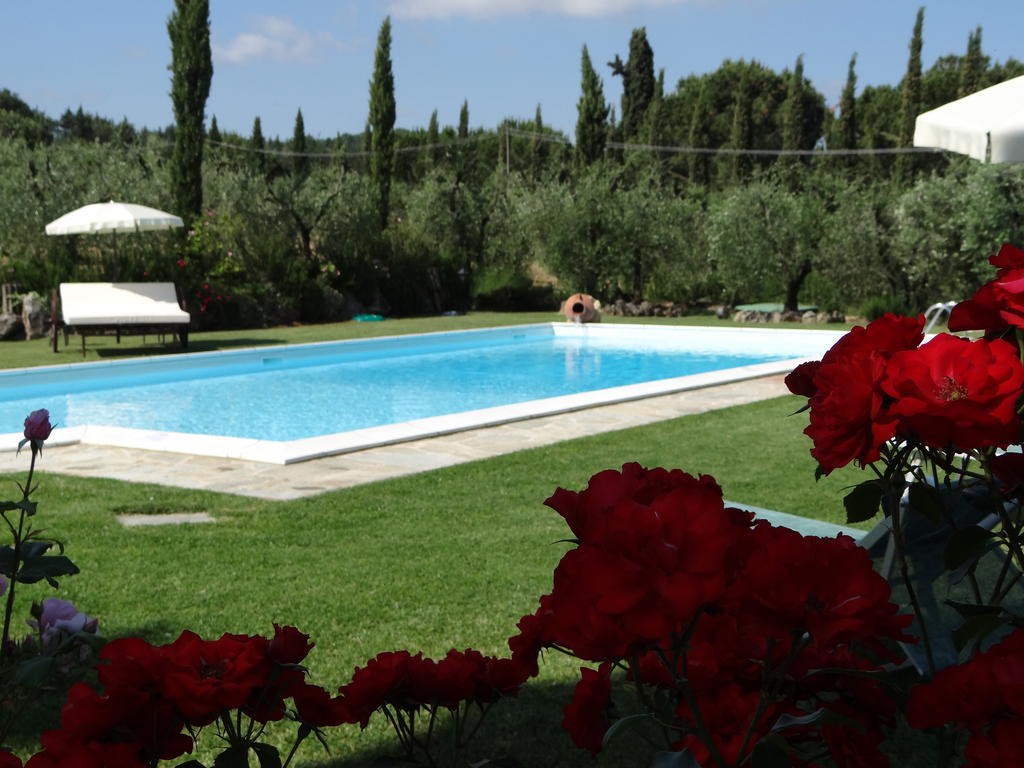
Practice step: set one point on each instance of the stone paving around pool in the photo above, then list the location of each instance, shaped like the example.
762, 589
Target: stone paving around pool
309, 478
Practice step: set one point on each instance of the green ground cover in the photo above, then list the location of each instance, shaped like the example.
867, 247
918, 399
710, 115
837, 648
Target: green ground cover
444, 559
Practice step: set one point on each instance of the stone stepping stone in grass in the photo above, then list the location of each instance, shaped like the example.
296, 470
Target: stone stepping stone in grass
173, 518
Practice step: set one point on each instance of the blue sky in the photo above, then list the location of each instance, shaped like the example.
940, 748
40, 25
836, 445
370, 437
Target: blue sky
503, 56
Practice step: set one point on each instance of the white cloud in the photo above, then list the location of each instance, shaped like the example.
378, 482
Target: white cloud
424, 9
272, 37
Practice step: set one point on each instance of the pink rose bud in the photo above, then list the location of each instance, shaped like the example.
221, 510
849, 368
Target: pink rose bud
37, 425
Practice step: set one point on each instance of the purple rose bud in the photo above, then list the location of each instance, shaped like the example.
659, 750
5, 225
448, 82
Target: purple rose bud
37, 425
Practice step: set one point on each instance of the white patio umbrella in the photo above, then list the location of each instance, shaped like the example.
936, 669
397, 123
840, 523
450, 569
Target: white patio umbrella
100, 218
987, 125
111, 218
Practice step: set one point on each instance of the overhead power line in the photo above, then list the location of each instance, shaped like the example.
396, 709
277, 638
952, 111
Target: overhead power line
608, 145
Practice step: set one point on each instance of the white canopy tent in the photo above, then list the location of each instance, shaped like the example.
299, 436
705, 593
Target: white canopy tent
987, 125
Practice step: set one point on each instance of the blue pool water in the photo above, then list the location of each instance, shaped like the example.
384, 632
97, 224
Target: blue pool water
287, 398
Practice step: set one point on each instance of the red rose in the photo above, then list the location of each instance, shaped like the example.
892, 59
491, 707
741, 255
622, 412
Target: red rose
953, 391
1008, 469
998, 748
37, 425
586, 715
289, 646
204, 678
527, 644
801, 380
316, 707
826, 587
128, 730
393, 677
1000, 302
849, 419
457, 676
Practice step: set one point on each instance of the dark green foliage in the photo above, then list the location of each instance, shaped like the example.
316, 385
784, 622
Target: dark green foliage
972, 69
538, 147
741, 134
192, 71
592, 115
638, 82
299, 160
214, 133
258, 144
911, 101
792, 109
700, 138
846, 133
381, 124
433, 153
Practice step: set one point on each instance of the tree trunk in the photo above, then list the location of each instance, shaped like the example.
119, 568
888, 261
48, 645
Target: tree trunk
793, 286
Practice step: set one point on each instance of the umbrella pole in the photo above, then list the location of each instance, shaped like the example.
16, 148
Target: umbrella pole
116, 267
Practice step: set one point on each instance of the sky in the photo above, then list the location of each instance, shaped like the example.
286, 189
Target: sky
503, 57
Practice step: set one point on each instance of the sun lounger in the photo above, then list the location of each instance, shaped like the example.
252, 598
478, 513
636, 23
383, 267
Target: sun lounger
121, 309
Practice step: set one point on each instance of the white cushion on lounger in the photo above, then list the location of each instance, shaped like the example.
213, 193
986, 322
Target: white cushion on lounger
120, 304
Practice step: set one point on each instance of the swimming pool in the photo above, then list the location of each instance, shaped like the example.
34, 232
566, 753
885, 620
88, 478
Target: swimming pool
286, 404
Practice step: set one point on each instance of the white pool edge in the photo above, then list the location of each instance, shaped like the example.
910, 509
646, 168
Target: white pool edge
293, 451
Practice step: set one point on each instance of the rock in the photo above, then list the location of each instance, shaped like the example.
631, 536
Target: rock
791, 316
723, 311
835, 316
11, 327
33, 316
809, 317
775, 317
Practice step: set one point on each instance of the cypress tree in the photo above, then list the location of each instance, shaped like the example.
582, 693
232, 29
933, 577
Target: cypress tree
845, 133
911, 104
464, 151
464, 121
638, 82
740, 164
537, 147
191, 72
972, 67
700, 138
381, 124
432, 154
591, 115
300, 163
258, 143
792, 113
214, 132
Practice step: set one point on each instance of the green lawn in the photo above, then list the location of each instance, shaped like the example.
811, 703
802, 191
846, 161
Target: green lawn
444, 559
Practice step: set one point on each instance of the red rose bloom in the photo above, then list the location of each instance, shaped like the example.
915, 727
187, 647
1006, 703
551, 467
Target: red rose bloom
998, 748
957, 392
1000, 302
826, 587
316, 707
393, 677
849, 419
289, 646
37, 425
1008, 469
204, 678
801, 380
586, 715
